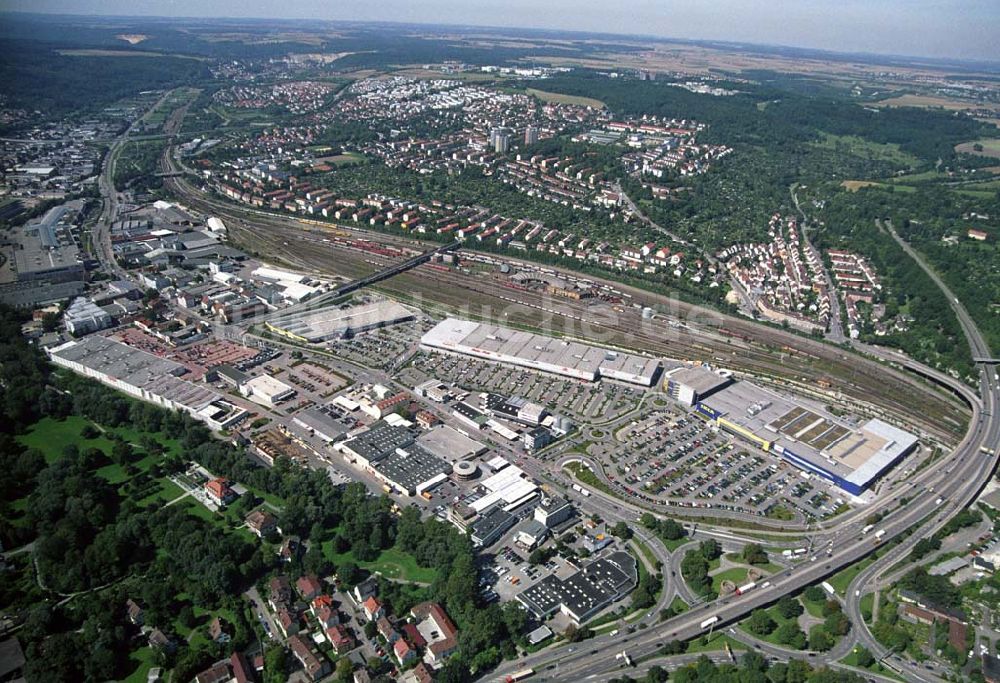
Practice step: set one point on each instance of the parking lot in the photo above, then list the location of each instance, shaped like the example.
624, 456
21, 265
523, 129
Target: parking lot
382, 348
672, 455
577, 400
510, 573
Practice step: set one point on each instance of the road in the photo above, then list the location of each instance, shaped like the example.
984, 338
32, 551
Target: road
990, 431
836, 332
101, 235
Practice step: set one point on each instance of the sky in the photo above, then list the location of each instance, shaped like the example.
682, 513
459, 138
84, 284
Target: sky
962, 29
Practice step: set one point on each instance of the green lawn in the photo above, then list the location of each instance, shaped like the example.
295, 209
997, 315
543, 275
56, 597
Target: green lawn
391, 563
867, 605
52, 436
143, 659
165, 492
737, 575
678, 605
646, 551
814, 609
717, 642
842, 579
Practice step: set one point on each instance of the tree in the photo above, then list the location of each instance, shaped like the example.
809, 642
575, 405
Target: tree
657, 674
348, 573
761, 623
820, 639
275, 665
622, 531
814, 594
671, 530
864, 657
515, 618
50, 321
89, 431
753, 553
790, 634
789, 607
710, 549
648, 520
344, 670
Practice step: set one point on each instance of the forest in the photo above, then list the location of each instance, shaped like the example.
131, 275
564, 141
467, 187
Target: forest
36, 77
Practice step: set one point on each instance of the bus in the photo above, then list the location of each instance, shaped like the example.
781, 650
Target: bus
520, 675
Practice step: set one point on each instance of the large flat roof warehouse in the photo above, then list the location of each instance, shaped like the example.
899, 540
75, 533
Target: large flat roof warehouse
586, 592
807, 436
139, 374
537, 352
411, 470
450, 444
339, 323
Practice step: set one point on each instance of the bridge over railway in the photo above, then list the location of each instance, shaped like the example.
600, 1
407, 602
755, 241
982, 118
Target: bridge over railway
327, 298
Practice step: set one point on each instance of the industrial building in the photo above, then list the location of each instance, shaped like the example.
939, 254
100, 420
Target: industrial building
690, 384
146, 377
83, 316
489, 528
390, 453
853, 458
585, 593
266, 390
327, 422
45, 265
509, 489
553, 511
448, 443
536, 352
343, 322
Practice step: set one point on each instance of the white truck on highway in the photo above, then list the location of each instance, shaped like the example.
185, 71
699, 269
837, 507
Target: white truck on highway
740, 590
864, 532
711, 621
878, 535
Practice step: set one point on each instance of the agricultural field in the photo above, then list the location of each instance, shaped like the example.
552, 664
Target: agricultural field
559, 98
986, 147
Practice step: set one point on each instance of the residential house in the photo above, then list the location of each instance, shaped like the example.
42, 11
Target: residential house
437, 629
219, 491
288, 622
386, 630
279, 592
340, 639
219, 630
418, 674
314, 666
365, 590
217, 673
262, 523
308, 587
404, 653
242, 673
373, 608
158, 639
134, 612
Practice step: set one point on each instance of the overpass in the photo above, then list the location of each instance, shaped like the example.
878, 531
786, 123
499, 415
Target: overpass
986, 361
328, 298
